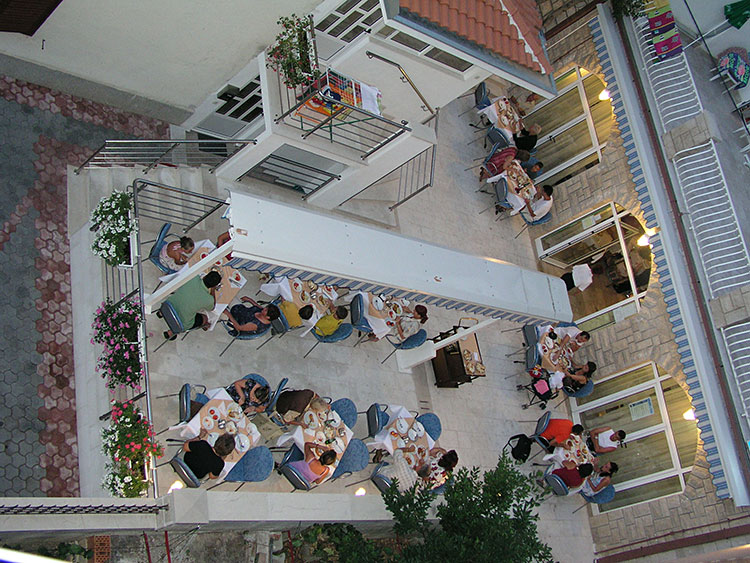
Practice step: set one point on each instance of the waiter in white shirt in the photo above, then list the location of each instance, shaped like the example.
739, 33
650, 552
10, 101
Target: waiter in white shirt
539, 205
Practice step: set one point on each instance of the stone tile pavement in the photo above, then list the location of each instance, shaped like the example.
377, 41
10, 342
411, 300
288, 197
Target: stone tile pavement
43, 131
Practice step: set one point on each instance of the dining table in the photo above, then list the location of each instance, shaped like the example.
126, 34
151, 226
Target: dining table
219, 415
381, 312
504, 116
324, 428
404, 435
576, 451
302, 293
520, 186
231, 280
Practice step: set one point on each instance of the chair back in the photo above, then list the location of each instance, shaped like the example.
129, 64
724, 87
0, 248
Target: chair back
275, 396
432, 425
256, 465
414, 341
530, 337
357, 314
497, 137
173, 320
243, 335
607, 494
295, 478
377, 419
355, 458
257, 379
343, 332
584, 391
542, 423
532, 357
481, 100
347, 410
382, 482
558, 486
153, 255
184, 472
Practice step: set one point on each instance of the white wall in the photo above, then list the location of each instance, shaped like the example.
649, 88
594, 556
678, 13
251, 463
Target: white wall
173, 51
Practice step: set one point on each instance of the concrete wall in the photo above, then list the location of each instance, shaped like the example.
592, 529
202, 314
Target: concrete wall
646, 336
171, 51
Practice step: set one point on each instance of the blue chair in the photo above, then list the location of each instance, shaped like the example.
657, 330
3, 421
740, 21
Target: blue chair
237, 335
275, 396
431, 424
584, 391
153, 255
279, 327
347, 410
255, 466
541, 425
607, 494
481, 99
185, 398
359, 322
272, 396
377, 418
343, 332
183, 471
414, 341
292, 475
558, 486
355, 458
543, 219
380, 481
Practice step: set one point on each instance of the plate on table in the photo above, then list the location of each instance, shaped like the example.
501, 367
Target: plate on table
396, 308
411, 459
203, 255
212, 437
297, 285
322, 300
402, 425
422, 452
412, 434
338, 446
417, 426
391, 314
241, 443
334, 417
400, 443
208, 423
320, 437
234, 412
304, 296
377, 302
397, 454
310, 419
230, 427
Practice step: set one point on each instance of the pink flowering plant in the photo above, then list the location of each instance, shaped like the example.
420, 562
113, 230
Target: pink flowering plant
292, 55
116, 328
129, 441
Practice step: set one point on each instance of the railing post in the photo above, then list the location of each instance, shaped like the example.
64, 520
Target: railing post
158, 160
89, 159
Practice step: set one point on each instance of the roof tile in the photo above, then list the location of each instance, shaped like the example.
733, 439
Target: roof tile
487, 24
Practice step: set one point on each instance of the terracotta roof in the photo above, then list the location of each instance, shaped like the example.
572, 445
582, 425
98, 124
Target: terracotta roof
508, 28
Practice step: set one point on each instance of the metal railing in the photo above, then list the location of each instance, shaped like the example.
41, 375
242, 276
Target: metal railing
291, 174
721, 246
170, 152
405, 78
671, 81
315, 111
737, 342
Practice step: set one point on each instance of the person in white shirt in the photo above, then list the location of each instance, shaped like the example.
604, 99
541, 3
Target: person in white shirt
581, 277
541, 204
604, 439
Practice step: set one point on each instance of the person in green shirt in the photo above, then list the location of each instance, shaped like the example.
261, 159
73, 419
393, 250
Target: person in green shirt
196, 295
327, 324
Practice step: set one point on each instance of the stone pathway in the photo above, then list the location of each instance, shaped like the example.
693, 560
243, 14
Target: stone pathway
43, 131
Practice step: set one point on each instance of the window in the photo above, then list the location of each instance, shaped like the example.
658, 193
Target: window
25, 16
662, 433
615, 246
350, 19
575, 126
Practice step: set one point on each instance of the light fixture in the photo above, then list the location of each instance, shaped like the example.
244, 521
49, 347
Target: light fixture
360, 492
176, 485
604, 95
689, 414
643, 240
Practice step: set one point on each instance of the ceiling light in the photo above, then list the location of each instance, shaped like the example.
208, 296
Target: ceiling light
604, 95
689, 414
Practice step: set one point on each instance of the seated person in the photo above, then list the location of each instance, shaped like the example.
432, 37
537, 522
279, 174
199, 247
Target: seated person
175, 254
578, 376
558, 431
317, 464
541, 204
204, 460
574, 477
500, 161
533, 167
409, 324
435, 471
329, 322
195, 295
603, 439
571, 449
251, 320
398, 469
600, 479
526, 140
291, 404
223, 238
250, 395
562, 336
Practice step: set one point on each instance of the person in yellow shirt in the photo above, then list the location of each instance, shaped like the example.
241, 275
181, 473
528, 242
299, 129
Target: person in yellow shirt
328, 323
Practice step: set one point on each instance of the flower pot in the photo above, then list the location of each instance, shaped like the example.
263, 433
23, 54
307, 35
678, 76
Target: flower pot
130, 252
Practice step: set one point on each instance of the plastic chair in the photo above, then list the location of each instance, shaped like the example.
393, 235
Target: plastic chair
414, 341
481, 99
347, 410
275, 396
291, 474
343, 332
381, 482
185, 394
607, 494
255, 466
359, 322
543, 219
377, 418
237, 335
355, 458
584, 391
558, 486
432, 425
279, 326
541, 425
153, 255
183, 471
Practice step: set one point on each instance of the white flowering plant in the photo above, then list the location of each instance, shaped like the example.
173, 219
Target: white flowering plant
124, 481
113, 225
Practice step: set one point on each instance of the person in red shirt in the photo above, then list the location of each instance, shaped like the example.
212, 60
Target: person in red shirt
559, 430
574, 477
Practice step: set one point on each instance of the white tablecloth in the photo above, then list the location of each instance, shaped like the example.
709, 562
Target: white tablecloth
281, 286
517, 202
383, 440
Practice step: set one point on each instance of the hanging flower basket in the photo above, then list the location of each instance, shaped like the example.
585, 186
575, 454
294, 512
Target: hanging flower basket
116, 327
293, 54
114, 225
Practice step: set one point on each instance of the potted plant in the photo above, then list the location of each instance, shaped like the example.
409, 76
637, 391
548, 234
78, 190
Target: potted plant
116, 327
112, 220
129, 442
293, 53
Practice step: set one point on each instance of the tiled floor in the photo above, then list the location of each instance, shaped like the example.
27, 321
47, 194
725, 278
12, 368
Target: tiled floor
43, 131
